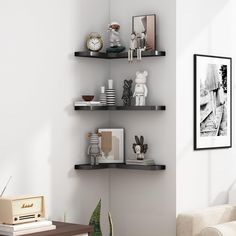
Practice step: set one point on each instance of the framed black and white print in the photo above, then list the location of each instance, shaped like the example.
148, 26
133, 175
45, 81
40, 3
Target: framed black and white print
212, 102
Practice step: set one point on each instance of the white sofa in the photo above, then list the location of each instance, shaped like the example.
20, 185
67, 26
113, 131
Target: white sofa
212, 221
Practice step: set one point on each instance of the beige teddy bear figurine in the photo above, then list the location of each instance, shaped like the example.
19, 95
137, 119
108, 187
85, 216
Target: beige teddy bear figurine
140, 90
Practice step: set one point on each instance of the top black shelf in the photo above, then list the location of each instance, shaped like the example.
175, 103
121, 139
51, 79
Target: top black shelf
104, 55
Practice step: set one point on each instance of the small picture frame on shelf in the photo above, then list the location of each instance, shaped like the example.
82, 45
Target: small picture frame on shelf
212, 102
145, 25
111, 144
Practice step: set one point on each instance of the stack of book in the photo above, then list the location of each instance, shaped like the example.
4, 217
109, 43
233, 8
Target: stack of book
145, 162
26, 228
83, 103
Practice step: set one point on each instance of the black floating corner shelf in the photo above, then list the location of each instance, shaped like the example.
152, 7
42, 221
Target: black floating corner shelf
120, 108
119, 166
104, 55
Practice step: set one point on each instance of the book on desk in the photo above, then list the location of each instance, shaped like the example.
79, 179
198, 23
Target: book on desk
26, 228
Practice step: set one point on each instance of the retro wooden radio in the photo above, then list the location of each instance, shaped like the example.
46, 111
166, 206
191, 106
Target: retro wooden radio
17, 210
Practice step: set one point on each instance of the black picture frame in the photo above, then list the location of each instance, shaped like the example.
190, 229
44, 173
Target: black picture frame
212, 102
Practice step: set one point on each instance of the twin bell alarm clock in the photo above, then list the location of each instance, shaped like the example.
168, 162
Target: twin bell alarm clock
94, 42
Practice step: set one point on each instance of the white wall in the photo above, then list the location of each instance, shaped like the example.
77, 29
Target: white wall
41, 136
203, 177
143, 202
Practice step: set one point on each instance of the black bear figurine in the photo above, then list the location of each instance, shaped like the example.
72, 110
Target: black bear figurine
127, 92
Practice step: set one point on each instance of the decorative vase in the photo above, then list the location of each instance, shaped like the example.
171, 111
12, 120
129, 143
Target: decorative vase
103, 97
111, 94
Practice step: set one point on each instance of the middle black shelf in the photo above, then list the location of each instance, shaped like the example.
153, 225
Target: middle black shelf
120, 108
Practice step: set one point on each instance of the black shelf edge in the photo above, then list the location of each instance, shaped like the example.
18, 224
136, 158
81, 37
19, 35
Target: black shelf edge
119, 166
120, 108
104, 55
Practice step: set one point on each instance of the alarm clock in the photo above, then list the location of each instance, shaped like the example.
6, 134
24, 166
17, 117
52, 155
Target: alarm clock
94, 42
17, 210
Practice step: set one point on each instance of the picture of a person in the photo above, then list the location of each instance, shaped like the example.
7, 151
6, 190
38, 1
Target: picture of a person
212, 84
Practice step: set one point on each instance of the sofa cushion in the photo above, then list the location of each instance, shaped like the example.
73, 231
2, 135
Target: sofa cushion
226, 229
192, 223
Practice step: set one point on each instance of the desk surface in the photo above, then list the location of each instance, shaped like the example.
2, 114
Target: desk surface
65, 229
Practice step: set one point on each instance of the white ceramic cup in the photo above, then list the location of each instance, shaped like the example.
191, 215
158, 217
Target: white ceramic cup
103, 89
110, 84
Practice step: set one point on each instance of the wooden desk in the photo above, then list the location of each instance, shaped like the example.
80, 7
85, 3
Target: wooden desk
66, 229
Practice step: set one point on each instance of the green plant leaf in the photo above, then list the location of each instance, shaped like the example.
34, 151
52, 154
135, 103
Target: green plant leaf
110, 224
95, 220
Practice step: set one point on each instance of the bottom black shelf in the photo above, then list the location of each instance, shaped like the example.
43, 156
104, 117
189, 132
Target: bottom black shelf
119, 166
120, 108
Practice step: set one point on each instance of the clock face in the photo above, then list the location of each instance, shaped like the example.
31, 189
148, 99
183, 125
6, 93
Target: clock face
94, 44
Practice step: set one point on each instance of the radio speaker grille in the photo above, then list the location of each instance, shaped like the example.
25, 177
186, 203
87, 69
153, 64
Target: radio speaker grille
26, 217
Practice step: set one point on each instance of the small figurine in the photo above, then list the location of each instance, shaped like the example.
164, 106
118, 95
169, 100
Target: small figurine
115, 44
139, 147
140, 90
114, 34
127, 92
132, 47
141, 41
94, 150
